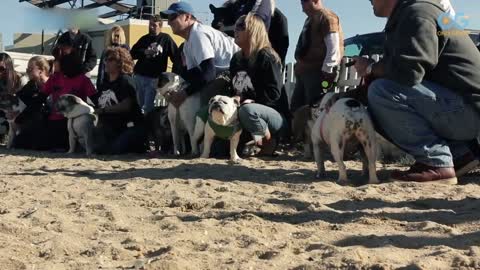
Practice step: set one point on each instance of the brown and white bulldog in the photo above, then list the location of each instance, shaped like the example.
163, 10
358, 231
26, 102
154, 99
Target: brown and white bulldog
344, 126
81, 121
222, 122
11, 104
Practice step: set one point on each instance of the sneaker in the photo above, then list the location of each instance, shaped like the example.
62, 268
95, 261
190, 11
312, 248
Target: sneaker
426, 174
465, 164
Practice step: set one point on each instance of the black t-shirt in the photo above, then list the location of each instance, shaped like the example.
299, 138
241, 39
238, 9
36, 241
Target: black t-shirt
111, 93
154, 66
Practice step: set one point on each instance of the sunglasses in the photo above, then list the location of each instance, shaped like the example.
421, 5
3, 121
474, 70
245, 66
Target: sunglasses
110, 59
240, 26
2, 69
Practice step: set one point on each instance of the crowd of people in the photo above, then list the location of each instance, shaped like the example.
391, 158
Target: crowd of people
424, 96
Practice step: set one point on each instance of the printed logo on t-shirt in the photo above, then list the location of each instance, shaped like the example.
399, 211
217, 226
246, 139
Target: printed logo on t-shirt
107, 99
242, 83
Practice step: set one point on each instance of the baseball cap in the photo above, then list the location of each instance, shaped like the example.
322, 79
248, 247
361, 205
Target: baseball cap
178, 7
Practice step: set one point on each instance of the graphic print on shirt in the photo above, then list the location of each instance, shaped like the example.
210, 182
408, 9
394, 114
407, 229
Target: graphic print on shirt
107, 99
242, 84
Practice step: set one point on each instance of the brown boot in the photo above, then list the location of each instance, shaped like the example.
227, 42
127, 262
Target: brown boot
426, 174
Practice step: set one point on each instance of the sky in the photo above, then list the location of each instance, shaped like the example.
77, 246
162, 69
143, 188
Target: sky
356, 17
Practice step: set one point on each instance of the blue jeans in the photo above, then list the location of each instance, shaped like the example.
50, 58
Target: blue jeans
256, 118
146, 88
428, 121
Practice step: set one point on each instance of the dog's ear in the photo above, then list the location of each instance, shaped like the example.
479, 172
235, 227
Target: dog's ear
212, 8
236, 101
71, 99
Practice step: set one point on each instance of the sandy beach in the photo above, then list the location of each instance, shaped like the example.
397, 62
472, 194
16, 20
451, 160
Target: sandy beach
132, 212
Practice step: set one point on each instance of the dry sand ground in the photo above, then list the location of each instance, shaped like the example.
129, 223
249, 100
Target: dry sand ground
78, 213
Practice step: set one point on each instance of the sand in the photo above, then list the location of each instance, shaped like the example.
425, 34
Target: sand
131, 212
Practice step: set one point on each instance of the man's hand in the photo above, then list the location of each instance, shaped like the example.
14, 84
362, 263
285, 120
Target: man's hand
177, 99
361, 64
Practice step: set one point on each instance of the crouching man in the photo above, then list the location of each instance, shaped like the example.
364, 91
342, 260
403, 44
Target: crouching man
427, 97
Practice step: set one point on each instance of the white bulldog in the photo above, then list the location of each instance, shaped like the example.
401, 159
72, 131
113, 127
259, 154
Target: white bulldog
81, 121
222, 122
342, 127
183, 118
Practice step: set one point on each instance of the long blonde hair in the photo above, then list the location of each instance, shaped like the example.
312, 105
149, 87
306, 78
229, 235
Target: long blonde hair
110, 33
258, 38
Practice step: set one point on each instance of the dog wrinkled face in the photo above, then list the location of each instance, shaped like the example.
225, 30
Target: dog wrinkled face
65, 103
223, 110
168, 82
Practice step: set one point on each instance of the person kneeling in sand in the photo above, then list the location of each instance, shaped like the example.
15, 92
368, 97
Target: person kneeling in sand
425, 97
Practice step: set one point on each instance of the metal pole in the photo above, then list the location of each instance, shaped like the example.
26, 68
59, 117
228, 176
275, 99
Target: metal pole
43, 42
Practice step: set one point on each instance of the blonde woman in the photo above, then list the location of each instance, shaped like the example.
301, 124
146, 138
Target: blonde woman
32, 119
115, 37
257, 81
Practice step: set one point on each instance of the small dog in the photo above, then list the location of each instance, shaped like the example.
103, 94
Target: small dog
222, 122
182, 118
13, 105
81, 121
159, 129
344, 126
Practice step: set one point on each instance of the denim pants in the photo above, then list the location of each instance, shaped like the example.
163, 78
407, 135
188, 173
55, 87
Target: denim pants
256, 118
428, 121
146, 88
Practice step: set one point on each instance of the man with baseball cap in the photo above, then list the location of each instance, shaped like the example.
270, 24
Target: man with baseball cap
207, 52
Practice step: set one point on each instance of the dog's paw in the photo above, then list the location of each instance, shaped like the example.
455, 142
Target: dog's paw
236, 160
374, 181
204, 156
71, 152
343, 182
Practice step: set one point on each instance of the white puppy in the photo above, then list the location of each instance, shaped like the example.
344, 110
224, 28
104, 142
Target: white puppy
222, 122
347, 121
183, 118
81, 121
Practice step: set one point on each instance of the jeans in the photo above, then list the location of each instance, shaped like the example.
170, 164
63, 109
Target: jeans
308, 89
256, 118
146, 88
428, 121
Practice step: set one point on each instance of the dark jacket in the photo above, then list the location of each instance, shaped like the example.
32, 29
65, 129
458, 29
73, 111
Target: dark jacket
416, 49
278, 34
266, 77
82, 43
154, 66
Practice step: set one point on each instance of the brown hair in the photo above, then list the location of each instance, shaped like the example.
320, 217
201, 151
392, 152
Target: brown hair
157, 18
110, 33
122, 57
12, 80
